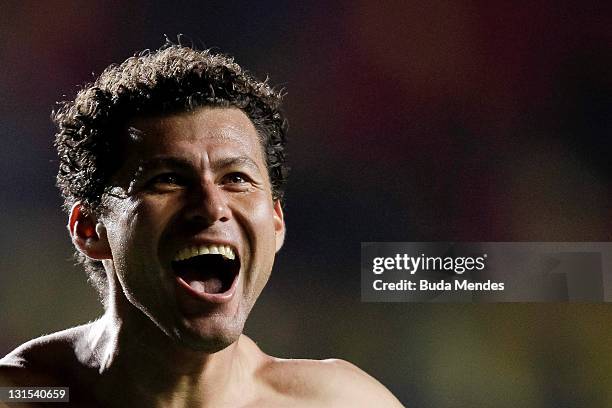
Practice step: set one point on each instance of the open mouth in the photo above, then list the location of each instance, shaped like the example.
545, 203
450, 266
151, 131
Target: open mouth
209, 269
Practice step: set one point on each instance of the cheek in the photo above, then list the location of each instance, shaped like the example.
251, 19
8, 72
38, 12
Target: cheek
260, 218
258, 223
134, 239
135, 229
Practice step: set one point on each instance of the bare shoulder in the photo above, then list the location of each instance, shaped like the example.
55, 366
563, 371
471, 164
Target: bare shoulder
330, 383
40, 361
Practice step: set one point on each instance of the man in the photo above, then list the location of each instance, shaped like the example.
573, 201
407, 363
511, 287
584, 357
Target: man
172, 169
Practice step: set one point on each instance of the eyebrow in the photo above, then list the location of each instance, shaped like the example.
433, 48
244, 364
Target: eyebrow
237, 161
164, 161
178, 162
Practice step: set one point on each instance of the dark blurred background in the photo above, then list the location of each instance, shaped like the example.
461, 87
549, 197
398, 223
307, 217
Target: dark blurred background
474, 121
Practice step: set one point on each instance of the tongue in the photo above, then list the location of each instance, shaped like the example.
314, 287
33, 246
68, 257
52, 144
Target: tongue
203, 283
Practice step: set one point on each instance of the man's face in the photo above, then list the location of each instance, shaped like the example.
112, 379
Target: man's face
194, 181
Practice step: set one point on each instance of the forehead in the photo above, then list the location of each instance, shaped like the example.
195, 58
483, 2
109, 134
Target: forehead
196, 131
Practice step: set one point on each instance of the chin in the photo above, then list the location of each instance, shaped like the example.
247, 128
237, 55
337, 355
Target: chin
210, 336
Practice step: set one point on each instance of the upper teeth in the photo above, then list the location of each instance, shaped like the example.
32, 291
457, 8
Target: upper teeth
192, 251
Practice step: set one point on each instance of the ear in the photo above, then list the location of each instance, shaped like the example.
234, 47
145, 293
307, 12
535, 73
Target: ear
279, 225
88, 235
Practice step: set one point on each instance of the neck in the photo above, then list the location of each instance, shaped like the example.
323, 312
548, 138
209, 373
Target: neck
140, 363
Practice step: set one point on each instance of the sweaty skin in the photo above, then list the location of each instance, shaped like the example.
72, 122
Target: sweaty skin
188, 179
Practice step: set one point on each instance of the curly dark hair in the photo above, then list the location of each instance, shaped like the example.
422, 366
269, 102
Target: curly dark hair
172, 79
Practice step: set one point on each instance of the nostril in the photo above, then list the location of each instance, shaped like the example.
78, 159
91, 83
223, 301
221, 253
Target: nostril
207, 214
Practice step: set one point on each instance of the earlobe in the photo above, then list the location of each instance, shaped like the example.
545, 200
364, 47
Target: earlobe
279, 225
88, 234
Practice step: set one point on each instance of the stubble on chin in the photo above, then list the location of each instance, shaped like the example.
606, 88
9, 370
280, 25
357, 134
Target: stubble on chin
213, 333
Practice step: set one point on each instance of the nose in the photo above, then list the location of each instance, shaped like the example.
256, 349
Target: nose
208, 204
